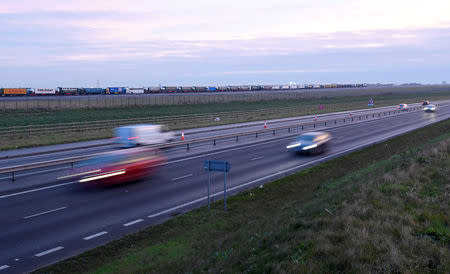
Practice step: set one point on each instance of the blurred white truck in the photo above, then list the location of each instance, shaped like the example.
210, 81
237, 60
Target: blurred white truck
144, 134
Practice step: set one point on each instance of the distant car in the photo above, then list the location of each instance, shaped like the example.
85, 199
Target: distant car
311, 142
425, 103
429, 108
402, 107
114, 167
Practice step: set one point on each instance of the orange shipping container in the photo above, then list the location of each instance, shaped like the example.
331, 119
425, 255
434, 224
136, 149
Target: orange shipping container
15, 91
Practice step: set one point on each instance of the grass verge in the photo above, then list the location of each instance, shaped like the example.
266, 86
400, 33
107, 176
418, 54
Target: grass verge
382, 209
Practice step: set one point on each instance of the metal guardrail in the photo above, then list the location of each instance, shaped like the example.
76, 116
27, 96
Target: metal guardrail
213, 140
14, 169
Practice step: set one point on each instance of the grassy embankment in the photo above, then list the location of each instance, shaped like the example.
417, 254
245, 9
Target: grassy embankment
303, 107
382, 209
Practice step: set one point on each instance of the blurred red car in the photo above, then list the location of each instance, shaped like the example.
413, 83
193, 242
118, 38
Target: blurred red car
114, 167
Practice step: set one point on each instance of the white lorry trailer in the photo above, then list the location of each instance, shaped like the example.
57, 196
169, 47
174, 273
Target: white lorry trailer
144, 134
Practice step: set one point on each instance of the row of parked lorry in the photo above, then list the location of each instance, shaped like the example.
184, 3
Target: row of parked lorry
69, 91
160, 89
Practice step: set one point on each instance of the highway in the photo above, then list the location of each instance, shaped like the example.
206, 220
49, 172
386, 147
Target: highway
30, 155
42, 226
45, 176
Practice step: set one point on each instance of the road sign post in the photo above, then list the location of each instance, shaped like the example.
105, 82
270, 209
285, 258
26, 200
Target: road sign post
215, 165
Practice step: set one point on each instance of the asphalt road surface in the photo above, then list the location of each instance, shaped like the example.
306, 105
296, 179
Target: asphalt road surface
14, 158
43, 226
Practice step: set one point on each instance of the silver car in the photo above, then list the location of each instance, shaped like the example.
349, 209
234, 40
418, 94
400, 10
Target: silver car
429, 108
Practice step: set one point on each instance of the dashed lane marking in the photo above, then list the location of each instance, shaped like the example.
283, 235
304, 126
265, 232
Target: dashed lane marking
133, 222
257, 158
182, 177
49, 251
95, 235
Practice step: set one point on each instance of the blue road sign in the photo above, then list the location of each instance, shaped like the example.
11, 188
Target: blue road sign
216, 165
370, 102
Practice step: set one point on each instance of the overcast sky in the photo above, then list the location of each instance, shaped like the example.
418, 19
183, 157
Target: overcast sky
49, 43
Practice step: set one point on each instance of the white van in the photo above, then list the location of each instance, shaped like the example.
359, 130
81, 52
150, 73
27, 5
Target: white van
136, 135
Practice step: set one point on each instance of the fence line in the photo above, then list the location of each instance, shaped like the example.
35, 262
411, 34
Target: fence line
130, 100
172, 121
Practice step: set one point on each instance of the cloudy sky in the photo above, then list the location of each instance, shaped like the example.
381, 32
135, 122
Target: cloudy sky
49, 43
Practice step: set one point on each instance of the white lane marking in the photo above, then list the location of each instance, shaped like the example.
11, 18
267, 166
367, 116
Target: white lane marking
257, 158
37, 189
31, 173
182, 177
45, 212
48, 251
275, 174
133, 222
95, 235
4, 267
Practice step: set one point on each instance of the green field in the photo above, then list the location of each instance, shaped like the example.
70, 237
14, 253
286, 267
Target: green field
382, 209
308, 105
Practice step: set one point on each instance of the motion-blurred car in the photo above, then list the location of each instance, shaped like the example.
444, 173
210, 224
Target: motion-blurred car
311, 142
114, 167
425, 103
429, 108
402, 107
